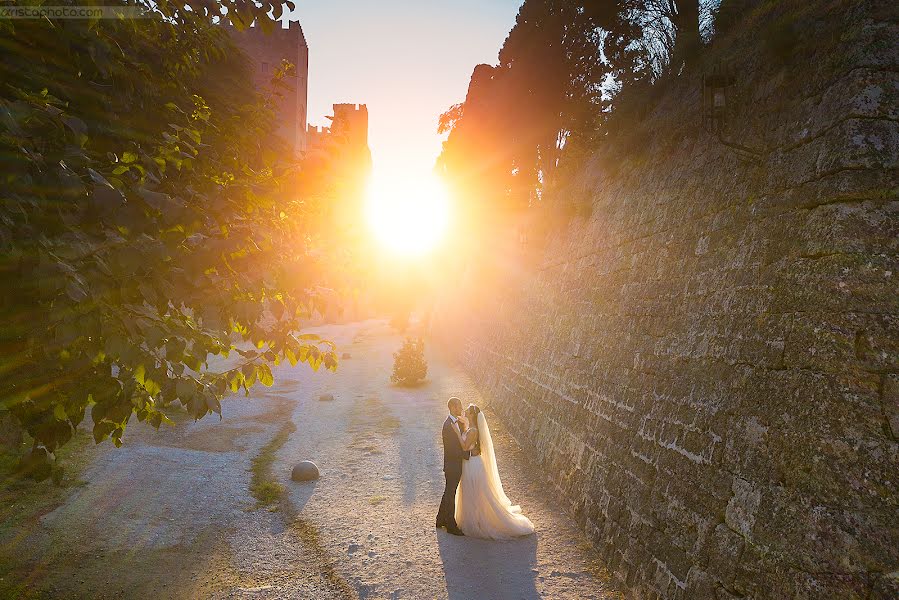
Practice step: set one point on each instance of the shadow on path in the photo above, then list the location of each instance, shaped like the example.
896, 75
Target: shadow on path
477, 568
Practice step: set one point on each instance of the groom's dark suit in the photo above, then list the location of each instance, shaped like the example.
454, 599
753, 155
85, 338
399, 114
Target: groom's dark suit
453, 455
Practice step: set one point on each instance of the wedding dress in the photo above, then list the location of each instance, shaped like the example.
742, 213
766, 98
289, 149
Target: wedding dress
482, 508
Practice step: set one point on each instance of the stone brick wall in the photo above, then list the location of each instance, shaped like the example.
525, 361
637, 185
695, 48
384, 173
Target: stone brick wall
707, 367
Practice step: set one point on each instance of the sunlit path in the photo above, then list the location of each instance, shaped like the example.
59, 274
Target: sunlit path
171, 515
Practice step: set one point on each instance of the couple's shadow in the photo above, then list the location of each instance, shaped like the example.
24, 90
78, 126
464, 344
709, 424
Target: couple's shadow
486, 569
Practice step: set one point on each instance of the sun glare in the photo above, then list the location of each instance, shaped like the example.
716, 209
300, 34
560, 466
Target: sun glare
408, 216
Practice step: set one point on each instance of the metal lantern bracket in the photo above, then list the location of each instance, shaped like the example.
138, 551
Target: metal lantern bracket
716, 107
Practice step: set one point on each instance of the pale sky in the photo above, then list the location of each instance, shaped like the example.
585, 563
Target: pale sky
407, 60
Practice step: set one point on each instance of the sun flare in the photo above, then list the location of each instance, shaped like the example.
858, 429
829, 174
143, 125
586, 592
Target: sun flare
408, 216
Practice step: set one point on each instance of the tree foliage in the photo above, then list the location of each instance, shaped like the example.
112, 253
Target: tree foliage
506, 137
148, 221
558, 72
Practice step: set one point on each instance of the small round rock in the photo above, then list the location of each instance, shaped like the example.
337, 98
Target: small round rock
305, 471
326, 398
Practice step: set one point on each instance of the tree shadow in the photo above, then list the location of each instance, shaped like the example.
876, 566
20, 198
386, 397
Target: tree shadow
477, 568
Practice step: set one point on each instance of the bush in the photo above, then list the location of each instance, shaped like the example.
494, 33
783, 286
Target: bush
409, 364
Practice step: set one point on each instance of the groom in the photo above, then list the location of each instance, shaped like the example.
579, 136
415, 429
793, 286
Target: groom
453, 455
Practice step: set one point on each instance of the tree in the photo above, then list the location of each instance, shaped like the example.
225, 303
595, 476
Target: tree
559, 69
644, 38
409, 364
506, 139
147, 222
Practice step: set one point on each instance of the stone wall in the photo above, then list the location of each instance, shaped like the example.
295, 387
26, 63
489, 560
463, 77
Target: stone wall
707, 367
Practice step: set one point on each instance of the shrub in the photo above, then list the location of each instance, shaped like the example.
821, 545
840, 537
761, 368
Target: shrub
409, 364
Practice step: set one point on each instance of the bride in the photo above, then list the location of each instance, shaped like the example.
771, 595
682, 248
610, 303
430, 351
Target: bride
482, 508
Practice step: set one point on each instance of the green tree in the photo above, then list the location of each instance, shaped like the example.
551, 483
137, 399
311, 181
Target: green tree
409, 364
147, 221
546, 100
505, 141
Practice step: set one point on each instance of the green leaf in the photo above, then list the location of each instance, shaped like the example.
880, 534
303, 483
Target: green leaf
303, 355
265, 375
236, 381
129, 157
193, 362
102, 430
291, 357
185, 388
152, 387
59, 411
249, 374
213, 404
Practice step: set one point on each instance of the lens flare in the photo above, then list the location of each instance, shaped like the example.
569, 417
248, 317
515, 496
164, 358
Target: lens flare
408, 216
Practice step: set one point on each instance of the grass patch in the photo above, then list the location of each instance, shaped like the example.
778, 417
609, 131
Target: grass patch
367, 448
22, 498
263, 485
373, 408
23, 501
308, 534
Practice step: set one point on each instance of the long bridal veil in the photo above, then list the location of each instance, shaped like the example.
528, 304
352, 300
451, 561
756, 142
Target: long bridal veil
488, 455
482, 508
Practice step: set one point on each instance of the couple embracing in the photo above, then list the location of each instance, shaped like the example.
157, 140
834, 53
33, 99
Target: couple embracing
474, 502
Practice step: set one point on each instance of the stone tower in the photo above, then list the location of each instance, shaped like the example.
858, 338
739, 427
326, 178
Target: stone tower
266, 51
351, 120
349, 125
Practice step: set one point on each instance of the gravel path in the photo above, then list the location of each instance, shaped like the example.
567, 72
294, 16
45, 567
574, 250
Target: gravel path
170, 513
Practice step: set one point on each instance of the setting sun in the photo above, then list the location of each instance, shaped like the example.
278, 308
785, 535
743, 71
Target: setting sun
408, 216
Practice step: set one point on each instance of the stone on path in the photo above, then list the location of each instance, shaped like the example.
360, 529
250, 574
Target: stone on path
326, 397
305, 471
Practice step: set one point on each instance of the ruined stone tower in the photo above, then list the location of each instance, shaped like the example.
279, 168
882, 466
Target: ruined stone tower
349, 124
266, 51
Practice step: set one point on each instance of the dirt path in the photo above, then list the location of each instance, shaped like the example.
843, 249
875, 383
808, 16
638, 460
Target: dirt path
171, 515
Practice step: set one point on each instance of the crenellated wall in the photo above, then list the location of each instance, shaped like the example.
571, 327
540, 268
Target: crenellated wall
707, 367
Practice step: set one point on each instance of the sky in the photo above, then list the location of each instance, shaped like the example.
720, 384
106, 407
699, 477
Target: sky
408, 60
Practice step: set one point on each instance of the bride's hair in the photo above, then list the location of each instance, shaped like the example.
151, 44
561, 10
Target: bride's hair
473, 412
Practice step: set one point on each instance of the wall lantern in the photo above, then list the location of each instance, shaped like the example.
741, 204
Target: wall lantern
716, 107
714, 100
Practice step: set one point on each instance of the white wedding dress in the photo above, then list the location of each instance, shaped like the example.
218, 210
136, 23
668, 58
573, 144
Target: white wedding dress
482, 508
